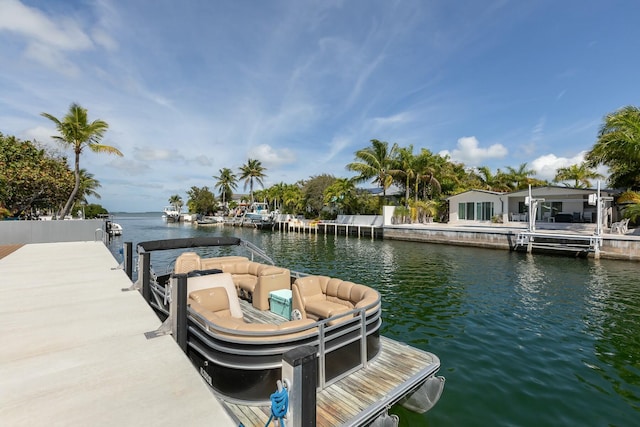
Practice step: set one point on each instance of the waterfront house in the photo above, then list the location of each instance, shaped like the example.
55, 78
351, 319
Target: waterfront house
560, 204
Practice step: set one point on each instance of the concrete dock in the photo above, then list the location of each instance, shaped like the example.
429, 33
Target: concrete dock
73, 350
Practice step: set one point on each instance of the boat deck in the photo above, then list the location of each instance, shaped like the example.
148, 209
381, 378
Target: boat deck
361, 396
253, 315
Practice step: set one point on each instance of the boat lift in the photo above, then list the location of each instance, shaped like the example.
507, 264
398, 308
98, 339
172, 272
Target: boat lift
577, 243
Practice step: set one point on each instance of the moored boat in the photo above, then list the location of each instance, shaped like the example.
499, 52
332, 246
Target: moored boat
241, 316
171, 214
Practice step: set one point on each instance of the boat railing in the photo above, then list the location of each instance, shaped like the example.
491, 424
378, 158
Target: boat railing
329, 335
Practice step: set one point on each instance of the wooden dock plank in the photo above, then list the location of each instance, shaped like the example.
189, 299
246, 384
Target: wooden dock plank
8, 249
345, 400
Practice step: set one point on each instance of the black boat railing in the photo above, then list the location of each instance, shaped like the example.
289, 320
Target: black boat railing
329, 335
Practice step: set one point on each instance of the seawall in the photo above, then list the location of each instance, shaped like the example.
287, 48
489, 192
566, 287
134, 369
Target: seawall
614, 246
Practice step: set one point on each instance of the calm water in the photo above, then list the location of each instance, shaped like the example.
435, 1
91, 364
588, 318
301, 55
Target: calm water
523, 340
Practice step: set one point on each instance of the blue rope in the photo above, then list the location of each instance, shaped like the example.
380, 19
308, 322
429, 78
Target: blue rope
279, 406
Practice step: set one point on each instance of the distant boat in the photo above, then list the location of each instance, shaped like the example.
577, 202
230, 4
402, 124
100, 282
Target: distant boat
114, 229
171, 214
258, 212
210, 220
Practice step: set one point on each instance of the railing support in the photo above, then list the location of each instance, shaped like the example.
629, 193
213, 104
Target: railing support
128, 259
146, 275
299, 372
181, 312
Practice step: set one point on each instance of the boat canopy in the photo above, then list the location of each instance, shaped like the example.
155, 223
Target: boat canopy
188, 242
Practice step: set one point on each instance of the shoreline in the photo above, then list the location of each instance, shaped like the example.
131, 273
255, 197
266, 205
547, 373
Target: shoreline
624, 247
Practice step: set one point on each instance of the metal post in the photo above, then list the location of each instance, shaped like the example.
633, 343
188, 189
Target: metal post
181, 312
146, 275
598, 213
128, 259
299, 371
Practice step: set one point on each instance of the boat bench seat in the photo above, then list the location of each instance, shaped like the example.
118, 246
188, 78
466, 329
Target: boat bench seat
213, 304
253, 280
322, 297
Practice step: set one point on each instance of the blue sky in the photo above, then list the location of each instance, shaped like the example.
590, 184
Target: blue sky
194, 86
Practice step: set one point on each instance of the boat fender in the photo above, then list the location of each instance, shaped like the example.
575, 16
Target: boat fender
426, 396
386, 420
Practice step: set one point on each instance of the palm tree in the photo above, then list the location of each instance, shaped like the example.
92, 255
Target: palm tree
252, 170
293, 199
227, 182
276, 194
88, 185
427, 166
519, 178
341, 193
176, 202
491, 182
618, 148
76, 132
375, 162
580, 174
406, 167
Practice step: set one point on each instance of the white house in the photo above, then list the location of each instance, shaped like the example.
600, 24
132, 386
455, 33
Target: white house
560, 204
475, 206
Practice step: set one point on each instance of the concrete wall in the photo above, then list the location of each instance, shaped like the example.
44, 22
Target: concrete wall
613, 246
51, 231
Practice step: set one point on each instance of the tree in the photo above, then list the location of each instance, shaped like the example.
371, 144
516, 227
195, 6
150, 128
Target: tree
580, 175
406, 168
519, 178
618, 148
252, 170
293, 199
375, 162
201, 200
276, 194
88, 186
93, 211
491, 182
427, 166
176, 202
226, 183
313, 190
30, 177
76, 132
342, 194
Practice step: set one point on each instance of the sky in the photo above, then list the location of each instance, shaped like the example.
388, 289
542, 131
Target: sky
191, 87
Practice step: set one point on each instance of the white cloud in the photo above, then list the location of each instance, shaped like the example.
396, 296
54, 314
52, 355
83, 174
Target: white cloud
156, 154
272, 157
546, 166
470, 153
338, 144
381, 123
103, 38
63, 34
47, 38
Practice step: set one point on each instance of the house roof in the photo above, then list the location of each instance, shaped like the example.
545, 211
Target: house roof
556, 189
493, 193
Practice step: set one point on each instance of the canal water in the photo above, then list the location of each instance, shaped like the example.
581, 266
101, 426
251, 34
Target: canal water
523, 340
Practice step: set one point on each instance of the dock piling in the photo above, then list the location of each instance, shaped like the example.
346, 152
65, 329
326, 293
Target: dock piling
299, 370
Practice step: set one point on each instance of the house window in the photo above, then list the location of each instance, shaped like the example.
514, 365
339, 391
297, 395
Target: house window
550, 209
466, 210
484, 211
